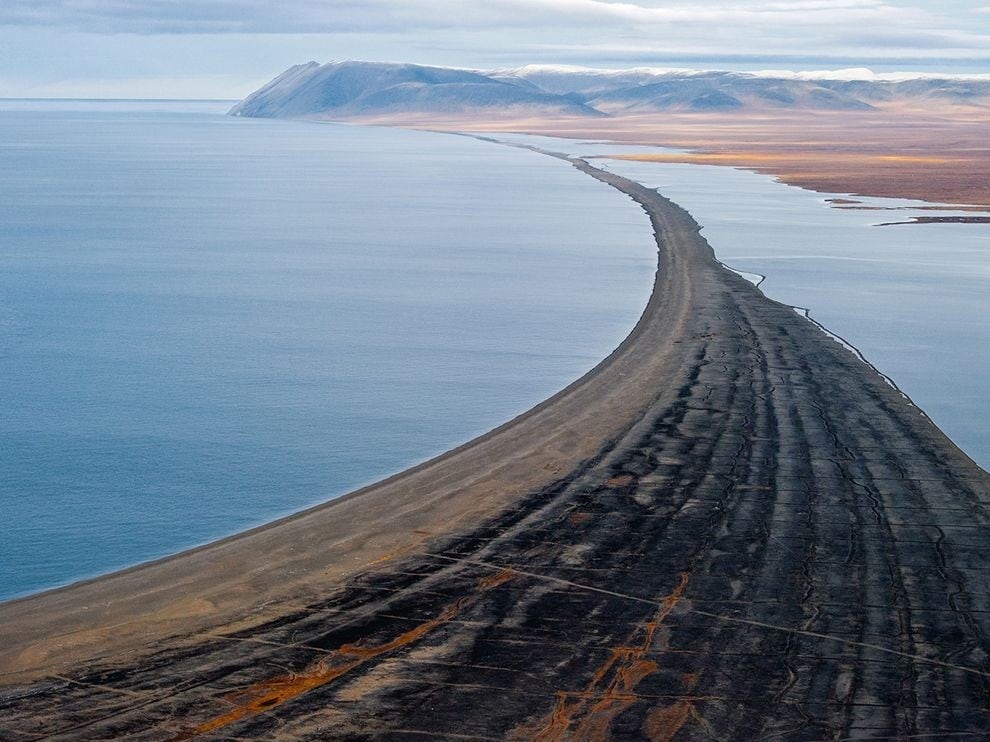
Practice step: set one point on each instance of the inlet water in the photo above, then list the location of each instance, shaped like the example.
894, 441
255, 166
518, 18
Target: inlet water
912, 298
207, 322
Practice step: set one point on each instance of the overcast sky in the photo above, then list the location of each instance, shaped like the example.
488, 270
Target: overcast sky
226, 48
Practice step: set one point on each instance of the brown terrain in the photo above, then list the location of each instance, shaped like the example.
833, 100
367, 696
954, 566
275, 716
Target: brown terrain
901, 152
731, 529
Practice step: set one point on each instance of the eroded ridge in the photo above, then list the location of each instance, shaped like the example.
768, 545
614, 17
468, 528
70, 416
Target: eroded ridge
776, 545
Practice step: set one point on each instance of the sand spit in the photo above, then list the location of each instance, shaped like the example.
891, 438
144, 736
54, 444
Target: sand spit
730, 529
941, 220
940, 156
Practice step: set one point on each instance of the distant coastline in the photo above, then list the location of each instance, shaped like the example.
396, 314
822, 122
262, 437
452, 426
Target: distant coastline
174, 375
914, 135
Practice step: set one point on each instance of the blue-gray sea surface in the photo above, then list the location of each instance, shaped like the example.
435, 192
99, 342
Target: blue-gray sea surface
913, 299
208, 322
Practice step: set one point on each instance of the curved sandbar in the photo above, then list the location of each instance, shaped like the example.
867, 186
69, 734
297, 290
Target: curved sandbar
730, 529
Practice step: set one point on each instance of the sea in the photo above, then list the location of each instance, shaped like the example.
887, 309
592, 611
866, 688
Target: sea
209, 322
912, 299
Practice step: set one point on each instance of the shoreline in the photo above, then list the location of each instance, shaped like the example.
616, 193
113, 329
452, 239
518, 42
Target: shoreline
881, 154
805, 312
11, 610
723, 418
896, 368
347, 436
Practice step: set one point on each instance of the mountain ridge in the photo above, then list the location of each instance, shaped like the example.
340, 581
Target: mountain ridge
352, 89
356, 89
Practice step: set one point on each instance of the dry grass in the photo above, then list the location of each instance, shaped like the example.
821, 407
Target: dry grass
939, 156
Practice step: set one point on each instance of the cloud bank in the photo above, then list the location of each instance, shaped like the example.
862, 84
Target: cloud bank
260, 37
342, 16
870, 28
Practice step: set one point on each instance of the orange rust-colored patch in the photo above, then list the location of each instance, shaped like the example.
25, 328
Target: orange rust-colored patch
758, 158
268, 694
500, 578
382, 559
624, 669
931, 153
578, 517
623, 480
665, 722
619, 697
373, 650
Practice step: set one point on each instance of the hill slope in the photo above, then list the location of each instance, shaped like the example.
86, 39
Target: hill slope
354, 89
343, 90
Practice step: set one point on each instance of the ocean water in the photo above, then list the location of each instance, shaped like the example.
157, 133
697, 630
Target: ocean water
912, 298
208, 322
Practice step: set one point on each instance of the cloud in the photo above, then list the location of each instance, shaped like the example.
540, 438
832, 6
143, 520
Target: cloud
70, 41
920, 39
342, 16
508, 27
146, 88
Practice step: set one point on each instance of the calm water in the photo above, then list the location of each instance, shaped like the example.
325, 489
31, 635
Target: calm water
914, 299
206, 322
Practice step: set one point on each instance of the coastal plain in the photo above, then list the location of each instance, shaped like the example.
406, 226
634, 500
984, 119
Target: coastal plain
732, 528
939, 156
919, 137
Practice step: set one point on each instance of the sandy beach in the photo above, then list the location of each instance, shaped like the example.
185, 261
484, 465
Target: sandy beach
731, 528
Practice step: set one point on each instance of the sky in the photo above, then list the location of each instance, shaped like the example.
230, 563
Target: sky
227, 48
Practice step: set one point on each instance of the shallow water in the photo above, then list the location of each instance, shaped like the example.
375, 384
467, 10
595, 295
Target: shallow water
208, 322
914, 299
